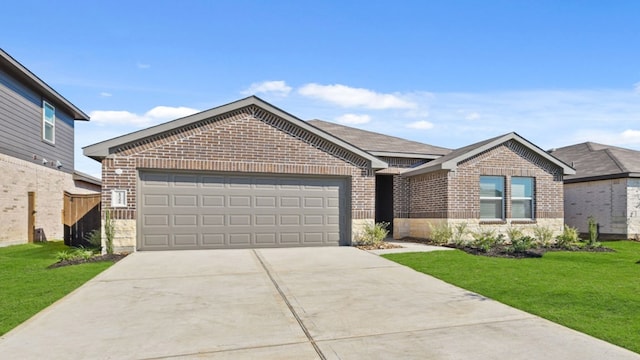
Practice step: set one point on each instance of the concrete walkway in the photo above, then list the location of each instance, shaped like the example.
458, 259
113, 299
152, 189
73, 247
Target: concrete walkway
313, 303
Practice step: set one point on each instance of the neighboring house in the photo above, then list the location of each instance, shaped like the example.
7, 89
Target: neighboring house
248, 174
36, 156
606, 185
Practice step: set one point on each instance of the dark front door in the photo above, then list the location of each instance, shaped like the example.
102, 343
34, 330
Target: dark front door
384, 200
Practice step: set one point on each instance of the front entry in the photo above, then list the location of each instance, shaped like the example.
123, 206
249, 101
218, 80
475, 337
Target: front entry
384, 200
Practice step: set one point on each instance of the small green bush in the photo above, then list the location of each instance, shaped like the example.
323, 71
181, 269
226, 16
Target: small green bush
372, 234
593, 232
514, 233
486, 240
543, 235
522, 244
441, 233
64, 255
568, 238
459, 233
75, 254
109, 231
94, 238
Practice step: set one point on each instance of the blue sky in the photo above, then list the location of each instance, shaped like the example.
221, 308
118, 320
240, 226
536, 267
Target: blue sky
447, 73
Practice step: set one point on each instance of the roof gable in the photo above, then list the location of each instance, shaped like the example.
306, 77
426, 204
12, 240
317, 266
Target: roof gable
103, 149
451, 160
598, 161
379, 144
31, 80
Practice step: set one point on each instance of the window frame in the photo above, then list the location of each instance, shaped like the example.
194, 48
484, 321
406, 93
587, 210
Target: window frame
493, 198
46, 122
531, 199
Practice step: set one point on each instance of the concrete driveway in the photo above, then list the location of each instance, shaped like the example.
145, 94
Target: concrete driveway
313, 303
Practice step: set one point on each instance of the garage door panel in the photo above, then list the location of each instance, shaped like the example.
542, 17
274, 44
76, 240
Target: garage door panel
185, 200
213, 220
213, 201
240, 239
200, 210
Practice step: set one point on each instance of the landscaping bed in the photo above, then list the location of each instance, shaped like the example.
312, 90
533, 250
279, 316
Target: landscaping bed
97, 258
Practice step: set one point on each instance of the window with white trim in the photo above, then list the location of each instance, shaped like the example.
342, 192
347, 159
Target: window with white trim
118, 198
492, 197
48, 122
522, 197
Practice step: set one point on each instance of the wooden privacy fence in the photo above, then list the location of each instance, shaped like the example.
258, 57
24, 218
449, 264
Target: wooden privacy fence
80, 215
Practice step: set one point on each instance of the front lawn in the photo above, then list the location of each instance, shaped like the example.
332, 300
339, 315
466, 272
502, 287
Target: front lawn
27, 286
595, 293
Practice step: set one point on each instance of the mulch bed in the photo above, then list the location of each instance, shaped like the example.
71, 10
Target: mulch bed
502, 251
106, 257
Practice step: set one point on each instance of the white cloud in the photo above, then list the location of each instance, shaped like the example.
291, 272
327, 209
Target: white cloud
105, 94
154, 116
346, 96
353, 119
420, 125
636, 87
142, 66
472, 116
279, 88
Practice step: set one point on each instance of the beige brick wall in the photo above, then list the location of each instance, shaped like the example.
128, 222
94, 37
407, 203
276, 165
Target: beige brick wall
421, 228
633, 208
605, 200
248, 140
17, 179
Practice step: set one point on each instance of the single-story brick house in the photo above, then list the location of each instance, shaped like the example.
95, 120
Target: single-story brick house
606, 185
248, 174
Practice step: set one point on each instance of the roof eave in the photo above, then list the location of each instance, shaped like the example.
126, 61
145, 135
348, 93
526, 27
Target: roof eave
26, 76
102, 149
602, 177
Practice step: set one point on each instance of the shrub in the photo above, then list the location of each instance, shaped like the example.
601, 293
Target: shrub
459, 233
109, 231
372, 234
486, 240
441, 233
64, 255
94, 239
522, 244
593, 232
568, 237
514, 233
543, 235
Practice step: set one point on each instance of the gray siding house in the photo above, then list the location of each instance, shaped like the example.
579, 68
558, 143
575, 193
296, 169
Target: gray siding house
36, 156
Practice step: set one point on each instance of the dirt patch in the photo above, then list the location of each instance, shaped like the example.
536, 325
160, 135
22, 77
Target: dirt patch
107, 257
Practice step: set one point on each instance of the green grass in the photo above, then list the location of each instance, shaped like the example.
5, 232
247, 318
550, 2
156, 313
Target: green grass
27, 286
595, 293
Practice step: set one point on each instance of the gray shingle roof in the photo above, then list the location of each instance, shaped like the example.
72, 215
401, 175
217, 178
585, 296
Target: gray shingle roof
379, 144
451, 160
598, 161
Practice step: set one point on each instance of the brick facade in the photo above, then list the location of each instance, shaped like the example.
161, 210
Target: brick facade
248, 140
454, 195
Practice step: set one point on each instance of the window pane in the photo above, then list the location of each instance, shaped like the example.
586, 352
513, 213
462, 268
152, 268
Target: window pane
48, 132
521, 187
491, 209
49, 113
521, 209
491, 186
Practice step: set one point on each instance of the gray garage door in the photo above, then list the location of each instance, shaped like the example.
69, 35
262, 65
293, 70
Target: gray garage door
210, 211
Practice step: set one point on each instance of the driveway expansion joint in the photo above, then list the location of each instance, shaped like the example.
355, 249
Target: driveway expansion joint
293, 312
